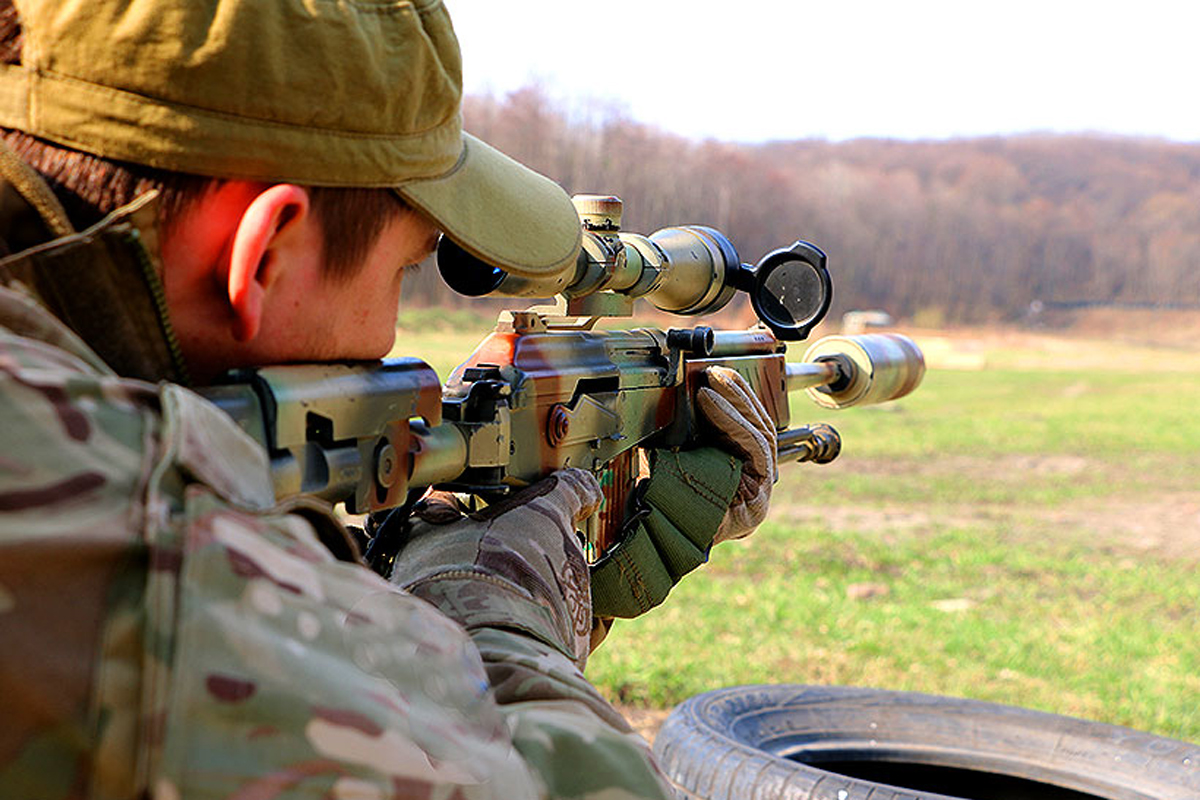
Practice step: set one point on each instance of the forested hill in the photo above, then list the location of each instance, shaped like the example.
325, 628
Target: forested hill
965, 230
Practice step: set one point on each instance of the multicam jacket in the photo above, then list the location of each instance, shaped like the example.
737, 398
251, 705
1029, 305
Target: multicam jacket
167, 630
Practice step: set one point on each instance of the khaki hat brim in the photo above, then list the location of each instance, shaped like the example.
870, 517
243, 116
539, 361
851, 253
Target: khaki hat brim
500, 211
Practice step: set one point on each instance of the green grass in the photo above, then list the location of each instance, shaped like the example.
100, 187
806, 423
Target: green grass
442, 337
981, 591
979, 437
959, 611
1102, 414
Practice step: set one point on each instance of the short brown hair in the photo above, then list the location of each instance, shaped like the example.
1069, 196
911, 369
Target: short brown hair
90, 186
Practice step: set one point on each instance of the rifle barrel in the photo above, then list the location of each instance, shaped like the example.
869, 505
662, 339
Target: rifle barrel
810, 375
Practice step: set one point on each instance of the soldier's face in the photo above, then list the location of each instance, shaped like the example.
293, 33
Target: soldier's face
327, 318
247, 284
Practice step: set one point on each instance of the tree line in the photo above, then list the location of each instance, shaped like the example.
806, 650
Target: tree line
970, 230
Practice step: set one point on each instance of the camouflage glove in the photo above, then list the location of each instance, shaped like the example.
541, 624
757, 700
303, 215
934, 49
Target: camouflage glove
741, 423
515, 565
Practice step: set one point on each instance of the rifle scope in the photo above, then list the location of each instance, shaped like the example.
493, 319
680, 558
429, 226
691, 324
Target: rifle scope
686, 269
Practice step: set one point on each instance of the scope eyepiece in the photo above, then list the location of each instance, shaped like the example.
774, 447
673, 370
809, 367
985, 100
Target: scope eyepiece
473, 277
464, 273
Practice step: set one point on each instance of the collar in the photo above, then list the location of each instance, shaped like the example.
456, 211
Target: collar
104, 284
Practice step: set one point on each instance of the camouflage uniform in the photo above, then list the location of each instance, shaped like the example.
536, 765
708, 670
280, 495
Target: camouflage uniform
169, 630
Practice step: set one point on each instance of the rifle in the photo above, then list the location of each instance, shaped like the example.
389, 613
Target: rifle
548, 390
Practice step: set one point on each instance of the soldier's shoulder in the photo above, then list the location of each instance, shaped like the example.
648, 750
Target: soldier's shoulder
80, 443
72, 435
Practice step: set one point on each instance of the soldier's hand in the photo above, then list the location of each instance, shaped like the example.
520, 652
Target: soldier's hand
740, 422
517, 563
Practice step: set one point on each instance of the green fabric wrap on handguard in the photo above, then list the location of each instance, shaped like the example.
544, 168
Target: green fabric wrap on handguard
686, 498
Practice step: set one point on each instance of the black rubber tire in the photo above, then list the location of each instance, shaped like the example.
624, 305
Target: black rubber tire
765, 742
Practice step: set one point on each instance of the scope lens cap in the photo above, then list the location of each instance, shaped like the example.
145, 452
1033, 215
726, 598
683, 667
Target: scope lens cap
792, 290
463, 272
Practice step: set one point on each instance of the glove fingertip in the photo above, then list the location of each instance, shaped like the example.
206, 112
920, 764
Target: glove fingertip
584, 489
738, 392
714, 406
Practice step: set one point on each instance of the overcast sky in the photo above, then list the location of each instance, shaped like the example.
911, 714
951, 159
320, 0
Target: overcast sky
753, 70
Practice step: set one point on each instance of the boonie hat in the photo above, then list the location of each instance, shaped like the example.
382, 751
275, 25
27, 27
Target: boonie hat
361, 93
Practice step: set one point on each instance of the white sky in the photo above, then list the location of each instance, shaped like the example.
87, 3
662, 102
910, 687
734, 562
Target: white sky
752, 70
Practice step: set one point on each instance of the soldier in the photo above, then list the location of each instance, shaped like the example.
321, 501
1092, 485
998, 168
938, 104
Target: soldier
191, 187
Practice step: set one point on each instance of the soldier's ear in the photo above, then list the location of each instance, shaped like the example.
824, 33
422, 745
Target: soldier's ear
263, 231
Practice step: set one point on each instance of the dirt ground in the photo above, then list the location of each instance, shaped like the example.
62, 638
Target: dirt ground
645, 721
1164, 523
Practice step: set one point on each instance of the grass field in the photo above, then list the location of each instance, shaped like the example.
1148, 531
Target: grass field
1027, 533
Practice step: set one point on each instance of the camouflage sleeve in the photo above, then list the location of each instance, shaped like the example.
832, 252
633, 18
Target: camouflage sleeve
338, 681
515, 577
570, 736
169, 632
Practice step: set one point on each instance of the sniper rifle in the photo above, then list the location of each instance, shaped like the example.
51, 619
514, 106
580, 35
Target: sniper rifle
547, 389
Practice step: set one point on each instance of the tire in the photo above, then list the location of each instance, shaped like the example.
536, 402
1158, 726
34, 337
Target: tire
793, 742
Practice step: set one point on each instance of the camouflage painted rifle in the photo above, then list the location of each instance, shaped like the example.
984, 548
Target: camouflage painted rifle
547, 390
